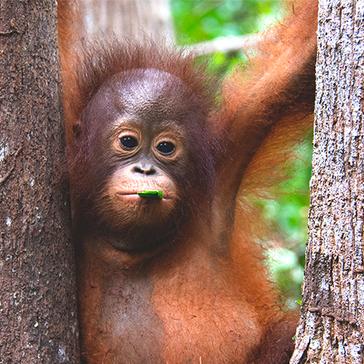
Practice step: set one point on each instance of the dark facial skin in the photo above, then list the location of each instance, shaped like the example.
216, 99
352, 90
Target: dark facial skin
143, 130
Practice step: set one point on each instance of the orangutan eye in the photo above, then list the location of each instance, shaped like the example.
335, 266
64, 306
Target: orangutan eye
166, 148
128, 142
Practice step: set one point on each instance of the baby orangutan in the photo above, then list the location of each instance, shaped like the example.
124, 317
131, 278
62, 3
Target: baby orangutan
169, 271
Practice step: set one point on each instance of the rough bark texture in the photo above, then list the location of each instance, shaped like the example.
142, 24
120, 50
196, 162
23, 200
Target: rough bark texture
331, 329
37, 283
133, 19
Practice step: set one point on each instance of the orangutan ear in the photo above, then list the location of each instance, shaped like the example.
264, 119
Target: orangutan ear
76, 130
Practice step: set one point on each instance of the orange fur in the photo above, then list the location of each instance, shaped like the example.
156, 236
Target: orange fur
206, 299
275, 92
70, 35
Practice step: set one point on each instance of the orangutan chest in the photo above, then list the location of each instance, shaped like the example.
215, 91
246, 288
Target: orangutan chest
140, 327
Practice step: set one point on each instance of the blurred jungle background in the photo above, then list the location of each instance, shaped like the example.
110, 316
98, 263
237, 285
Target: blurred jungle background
199, 21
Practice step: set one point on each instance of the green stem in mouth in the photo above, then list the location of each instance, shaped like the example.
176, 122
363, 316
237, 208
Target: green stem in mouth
151, 194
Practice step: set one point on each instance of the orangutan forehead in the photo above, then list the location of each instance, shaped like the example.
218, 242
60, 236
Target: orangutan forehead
150, 81
147, 94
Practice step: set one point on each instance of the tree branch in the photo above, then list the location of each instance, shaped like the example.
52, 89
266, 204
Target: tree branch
224, 44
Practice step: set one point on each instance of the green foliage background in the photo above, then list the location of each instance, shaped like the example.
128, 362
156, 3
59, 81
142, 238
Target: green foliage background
201, 20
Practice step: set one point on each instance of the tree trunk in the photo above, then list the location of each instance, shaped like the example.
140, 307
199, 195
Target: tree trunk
38, 320
133, 19
331, 328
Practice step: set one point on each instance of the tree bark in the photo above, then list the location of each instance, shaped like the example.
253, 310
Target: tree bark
134, 19
331, 328
38, 315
